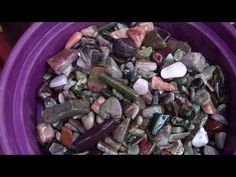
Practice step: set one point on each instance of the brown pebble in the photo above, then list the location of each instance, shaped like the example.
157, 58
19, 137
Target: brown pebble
66, 137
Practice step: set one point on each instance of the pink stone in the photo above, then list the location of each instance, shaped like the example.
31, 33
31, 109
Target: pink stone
137, 34
45, 132
159, 84
73, 40
97, 103
122, 33
62, 60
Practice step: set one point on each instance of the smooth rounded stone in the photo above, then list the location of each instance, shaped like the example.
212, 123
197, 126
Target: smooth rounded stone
76, 37
154, 40
159, 121
61, 98
202, 97
137, 34
178, 136
220, 139
49, 102
141, 86
62, 60
133, 150
175, 70
88, 120
177, 130
58, 81
45, 132
112, 68
66, 137
124, 47
111, 108
209, 150
178, 55
149, 25
158, 84
121, 33
91, 31
151, 110
201, 138
219, 118
146, 65
145, 52
194, 61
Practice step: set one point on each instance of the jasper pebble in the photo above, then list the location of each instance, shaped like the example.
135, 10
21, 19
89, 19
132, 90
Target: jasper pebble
58, 81
158, 84
201, 138
88, 120
141, 86
220, 139
73, 40
137, 34
175, 70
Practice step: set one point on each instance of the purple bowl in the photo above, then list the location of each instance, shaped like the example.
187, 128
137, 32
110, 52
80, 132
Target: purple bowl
24, 69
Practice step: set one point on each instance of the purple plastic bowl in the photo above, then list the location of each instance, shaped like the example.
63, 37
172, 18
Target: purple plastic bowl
23, 73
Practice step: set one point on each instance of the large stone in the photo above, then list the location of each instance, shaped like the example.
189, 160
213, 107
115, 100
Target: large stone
62, 60
66, 110
111, 108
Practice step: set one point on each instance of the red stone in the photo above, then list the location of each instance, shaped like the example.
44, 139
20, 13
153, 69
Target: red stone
66, 137
61, 60
144, 146
209, 108
137, 34
73, 40
213, 126
158, 58
159, 84
94, 83
97, 103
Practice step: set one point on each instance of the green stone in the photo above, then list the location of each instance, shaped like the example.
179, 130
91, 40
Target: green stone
145, 52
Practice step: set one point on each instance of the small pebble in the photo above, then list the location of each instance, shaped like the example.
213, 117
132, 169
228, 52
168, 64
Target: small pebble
194, 61
137, 34
73, 40
131, 111
124, 47
97, 103
112, 68
175, 70
141, 86
66, 137
45, 132
201, 138
121, 33
151, 110
148, 25
146, 65
88, 120
58, 81
209, 150
57, 149
158, 84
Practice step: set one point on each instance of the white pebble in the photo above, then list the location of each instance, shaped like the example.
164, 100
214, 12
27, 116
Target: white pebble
61, 98
88, 120
141, 86
58, 81
201, 138
175, 70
